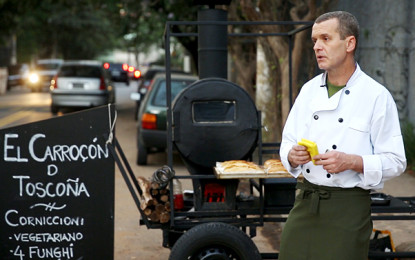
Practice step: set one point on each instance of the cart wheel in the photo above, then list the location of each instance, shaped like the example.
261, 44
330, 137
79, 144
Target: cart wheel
214, 240
142, 154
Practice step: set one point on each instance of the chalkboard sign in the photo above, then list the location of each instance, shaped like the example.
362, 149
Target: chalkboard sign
57, 188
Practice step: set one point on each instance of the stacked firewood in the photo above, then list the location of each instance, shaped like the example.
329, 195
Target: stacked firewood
154, 201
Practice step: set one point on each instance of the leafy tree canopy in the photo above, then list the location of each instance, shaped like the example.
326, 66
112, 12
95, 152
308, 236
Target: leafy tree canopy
70, 29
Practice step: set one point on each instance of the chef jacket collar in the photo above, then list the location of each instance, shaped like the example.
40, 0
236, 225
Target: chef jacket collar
349, 82
322, 102
354, 76
324, 80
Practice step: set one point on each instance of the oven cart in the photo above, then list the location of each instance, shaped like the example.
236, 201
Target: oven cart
215, 120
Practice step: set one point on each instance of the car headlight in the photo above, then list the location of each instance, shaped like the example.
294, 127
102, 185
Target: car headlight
33, 78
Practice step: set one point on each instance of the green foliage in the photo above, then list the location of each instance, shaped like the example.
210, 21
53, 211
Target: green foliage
139, 26
85, 29
408, 133
70, 29
9, 18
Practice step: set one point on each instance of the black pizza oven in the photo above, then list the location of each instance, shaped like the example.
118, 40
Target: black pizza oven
213, 120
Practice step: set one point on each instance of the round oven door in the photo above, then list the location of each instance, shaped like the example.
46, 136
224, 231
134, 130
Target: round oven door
214, 120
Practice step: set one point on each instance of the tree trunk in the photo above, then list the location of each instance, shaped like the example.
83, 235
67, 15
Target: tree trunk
275, 102
267, 98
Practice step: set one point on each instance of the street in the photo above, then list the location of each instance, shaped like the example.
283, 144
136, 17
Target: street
132, 241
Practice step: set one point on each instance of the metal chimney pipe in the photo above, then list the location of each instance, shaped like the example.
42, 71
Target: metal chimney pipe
212, 43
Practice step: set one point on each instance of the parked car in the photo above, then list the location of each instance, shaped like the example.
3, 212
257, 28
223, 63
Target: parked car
42, 73
17, 75
151, 130
118, 71
81, 84
146, 81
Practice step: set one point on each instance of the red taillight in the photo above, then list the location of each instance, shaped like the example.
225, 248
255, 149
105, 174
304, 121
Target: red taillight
106, 65
102, 85
54, 83
137, 74
125, 67
149, 121
131, 69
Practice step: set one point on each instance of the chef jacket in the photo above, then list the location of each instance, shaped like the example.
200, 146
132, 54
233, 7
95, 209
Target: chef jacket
360, 119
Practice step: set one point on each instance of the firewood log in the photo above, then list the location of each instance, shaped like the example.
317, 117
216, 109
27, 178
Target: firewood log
155, 216
146, 199
154, 200
160, 208
164, 217
164, 191
154, 192
155, 185
164, 198
167, 206
147, 211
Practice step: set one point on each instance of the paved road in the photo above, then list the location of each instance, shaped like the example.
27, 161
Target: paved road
20, 106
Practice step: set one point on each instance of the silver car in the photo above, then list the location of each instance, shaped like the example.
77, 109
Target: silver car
81, 84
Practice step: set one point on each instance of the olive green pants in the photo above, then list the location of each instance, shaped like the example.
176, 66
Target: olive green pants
327, 223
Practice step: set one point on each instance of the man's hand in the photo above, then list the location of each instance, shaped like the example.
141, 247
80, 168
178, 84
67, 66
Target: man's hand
335, 162
298, 155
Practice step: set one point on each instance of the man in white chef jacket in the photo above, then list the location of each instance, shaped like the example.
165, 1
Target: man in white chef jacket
354, 122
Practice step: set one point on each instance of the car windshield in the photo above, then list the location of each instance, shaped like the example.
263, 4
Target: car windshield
176, 86
47, 66
80, 71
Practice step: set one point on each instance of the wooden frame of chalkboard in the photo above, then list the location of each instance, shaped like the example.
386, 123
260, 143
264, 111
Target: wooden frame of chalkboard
57, 188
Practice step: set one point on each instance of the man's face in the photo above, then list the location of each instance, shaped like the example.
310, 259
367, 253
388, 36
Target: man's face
330, 50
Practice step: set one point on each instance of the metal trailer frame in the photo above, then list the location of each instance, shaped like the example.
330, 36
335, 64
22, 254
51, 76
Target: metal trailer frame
249, 214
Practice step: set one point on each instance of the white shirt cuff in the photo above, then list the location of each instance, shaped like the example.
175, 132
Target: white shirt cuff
372, 170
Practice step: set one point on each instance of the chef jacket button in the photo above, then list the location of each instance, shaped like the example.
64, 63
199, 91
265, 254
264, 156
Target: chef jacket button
308, 170
328, 175
334, 147
316, 117
340, 120
347, 92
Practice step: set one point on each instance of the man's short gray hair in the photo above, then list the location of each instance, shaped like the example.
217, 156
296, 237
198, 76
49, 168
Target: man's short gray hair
348, 24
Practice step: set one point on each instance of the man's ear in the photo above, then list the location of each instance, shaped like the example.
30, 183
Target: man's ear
351, 43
